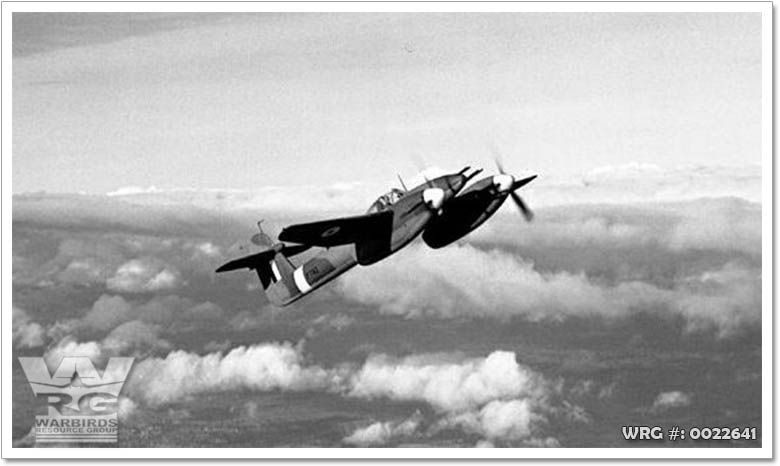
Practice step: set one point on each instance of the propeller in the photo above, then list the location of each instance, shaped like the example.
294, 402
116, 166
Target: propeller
524, 209
402, 183
419, 162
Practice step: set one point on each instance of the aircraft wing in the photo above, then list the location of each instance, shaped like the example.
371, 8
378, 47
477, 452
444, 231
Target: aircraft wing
340, 231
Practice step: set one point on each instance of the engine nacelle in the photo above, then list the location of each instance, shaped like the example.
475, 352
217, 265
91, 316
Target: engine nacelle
433, 198
466, 212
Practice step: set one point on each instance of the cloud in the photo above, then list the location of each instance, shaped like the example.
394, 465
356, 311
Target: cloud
504, 420
261, 367
669, 400
70, 347
722, 224
634, 182
127, 262
143, 276
382, 433
463, 281
200, 212
135, 337
125, 408
137, 326
88, 213
329, 322
493, 397
108, 312
117, 326
574, 261
727, 299
79, 259
26, 334
446, 385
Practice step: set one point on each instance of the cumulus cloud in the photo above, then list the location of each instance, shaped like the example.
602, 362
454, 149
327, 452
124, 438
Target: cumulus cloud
125, 408
135, 337
127, 262
261, 367
467, 281
382, 433
70, 347
107, 312
493, 397
489, 283
143, 276
77, 259
169, 314
448, 386
131, 328
506, 420
26, 334
670, 400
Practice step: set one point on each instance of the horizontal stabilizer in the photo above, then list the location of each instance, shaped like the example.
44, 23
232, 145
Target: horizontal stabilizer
347, 230
248, 262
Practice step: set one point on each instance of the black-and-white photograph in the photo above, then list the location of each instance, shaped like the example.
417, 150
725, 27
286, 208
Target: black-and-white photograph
529, 231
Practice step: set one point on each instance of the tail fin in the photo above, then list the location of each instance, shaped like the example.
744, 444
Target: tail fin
274, 269
261, 239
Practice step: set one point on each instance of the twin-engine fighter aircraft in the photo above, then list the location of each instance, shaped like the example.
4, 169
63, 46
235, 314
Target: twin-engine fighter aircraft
441, 209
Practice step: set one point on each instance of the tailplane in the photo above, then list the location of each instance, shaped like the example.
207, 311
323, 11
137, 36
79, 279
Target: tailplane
273, 268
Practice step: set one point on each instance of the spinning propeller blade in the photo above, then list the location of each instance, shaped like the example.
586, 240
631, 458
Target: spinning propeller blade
527, 213
402, 182
524, 209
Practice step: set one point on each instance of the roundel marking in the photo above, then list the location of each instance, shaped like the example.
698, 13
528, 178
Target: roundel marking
331, 231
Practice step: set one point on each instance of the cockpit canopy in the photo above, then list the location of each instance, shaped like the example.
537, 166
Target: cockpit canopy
386, 200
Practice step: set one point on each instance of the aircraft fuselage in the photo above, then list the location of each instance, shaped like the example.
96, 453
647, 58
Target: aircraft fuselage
411, 213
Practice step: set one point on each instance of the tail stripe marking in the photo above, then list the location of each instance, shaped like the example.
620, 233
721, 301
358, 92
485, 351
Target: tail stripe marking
300, 280
275, 270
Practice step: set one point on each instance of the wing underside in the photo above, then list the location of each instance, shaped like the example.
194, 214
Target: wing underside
340, 231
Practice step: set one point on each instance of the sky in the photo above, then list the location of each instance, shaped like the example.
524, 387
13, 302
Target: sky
145, 148
246, 101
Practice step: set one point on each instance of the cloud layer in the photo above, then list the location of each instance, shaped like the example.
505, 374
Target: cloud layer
463, 281
493, 398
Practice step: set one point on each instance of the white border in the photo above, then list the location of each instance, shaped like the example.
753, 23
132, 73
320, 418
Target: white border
767, 434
